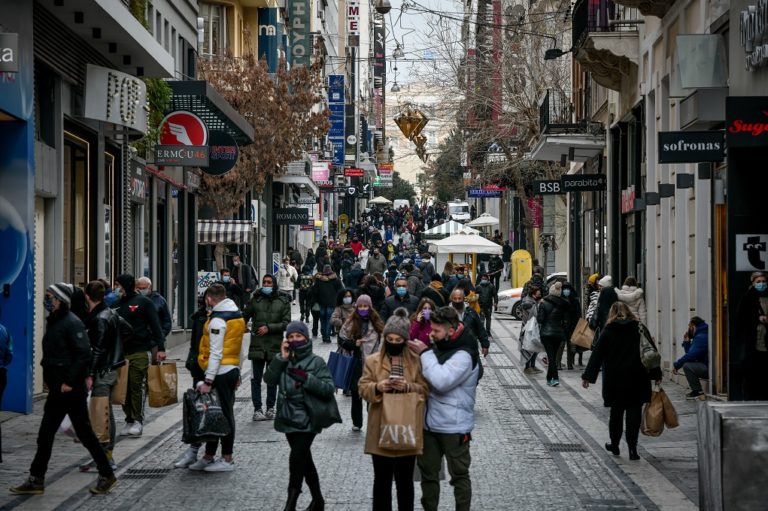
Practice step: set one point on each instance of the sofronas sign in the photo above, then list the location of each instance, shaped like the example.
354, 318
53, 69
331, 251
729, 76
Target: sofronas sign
746, 121
691, 146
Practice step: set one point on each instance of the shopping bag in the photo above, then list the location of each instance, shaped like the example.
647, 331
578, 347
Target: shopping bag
98, 412
203, 418
653, 415
163, 384
121, 385
323, 413
341, 366
670, 414
531, 337
402, 422
66, 427
583, 335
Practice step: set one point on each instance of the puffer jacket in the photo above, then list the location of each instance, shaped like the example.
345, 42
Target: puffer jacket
593, 296
487, 295
274, 311
325, 289
633, 297
551, 316
66, 352
319, 382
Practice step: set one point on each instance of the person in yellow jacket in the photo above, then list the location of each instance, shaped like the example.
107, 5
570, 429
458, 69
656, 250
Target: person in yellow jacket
220, 349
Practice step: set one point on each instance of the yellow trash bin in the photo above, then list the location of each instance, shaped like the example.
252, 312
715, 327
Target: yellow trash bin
522, 267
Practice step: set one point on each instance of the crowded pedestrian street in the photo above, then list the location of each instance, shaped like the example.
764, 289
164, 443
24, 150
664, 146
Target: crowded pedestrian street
534, 447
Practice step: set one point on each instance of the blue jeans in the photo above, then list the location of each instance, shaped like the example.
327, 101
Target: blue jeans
325, 321
258, 373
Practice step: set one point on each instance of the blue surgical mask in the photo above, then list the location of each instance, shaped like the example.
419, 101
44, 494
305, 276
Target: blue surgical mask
48, 304
225, 278
402, 291
347, 300
566, 292
761, 286
266, 290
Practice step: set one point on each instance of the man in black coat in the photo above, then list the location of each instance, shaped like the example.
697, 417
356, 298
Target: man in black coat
506, 257
495, 268
470, 319
400, 298
551, 317
488, 298
572, 317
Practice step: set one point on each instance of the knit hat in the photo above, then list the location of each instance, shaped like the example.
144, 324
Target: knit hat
127, 281
327, 270
556, 289
606, 281
593, 278
62, 291
297, 327
363, 300
398, 324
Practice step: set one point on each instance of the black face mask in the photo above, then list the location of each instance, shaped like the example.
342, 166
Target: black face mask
394, 350
459, 306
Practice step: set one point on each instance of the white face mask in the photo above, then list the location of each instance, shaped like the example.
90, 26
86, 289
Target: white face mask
144, 292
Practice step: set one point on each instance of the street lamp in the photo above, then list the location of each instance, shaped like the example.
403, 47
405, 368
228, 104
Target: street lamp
395, 87
382, 6
555, 53
398, 53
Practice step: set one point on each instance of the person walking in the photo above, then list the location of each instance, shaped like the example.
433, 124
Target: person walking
269, 313
452, 369
66, 359
506, 256
626, 381
361, 336
605, 301
592, 296
495, 269
220, 348
103, 326
324, 292
144, 288
393, 369
345, 307
488, 298
572, 317
421, 326
401, 298
471, 320
751, 353
377, 263
286, 279
551, 316
528, 309
245, 276
297, 372
144, 345
305, 288
631, 294
372, 286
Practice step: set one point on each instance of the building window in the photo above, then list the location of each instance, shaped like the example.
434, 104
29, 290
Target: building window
215, 29
76, 214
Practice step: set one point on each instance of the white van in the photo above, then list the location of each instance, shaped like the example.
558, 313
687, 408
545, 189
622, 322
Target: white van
459, 211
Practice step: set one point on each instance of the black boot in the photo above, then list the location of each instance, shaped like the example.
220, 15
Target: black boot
293, 497
633, 454
318, 503
613, 449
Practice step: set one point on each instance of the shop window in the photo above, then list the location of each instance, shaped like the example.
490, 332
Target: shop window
109, 216
75, 202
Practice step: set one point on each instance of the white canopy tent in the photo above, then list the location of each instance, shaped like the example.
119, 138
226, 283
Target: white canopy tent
380, 200
448, 229
466, 243
484, 220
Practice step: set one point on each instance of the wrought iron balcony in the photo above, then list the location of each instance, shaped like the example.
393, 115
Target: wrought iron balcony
555, 112
656, 8
605, 40
562, 136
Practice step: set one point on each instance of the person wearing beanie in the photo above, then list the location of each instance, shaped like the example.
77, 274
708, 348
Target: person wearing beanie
592, 292
145, 343
306, 394
394, 369
324, 291
361, 337
66, 361
605, 300
552, 317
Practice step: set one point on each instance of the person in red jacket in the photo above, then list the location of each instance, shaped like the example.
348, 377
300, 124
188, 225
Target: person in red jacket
421, 326
356, 246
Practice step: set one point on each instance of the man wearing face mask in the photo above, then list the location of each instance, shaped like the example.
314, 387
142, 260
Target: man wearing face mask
452, 369
695, 362
144, 288
470, 319
751, 358
376, 263
572, 315
234, 291
400, 298
488, 298
270, 313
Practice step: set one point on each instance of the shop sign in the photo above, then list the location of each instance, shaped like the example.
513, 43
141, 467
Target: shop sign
628, 199
138, 181
547, 187
309, 227
483, 193
352, 172
336, 100
583, 183
290, 216
353, 23
301, 44
536, 207
751, 252
9, 53
191, 180
114, 97
223, 153
194, 156
306, 199
753, 26
320, 171
183, 141
327, 183
691, 146
746, 120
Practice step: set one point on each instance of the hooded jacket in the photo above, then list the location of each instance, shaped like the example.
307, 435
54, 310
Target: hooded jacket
551, 316
222, 340
274, 312
286, 277
325, 289
633, 297
66, 352
697, 350
437, 293
415, 282
141, 314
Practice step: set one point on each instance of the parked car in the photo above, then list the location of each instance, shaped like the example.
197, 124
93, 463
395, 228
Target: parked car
510, 299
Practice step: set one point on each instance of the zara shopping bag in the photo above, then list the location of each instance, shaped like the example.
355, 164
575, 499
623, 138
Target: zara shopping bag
402, 422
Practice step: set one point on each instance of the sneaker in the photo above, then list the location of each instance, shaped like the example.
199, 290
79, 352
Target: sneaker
555, 382
32, 486
201, 464
136, 429
188, 458
695, 394
356, 428
104, 485
126, 431
270, 415
529, 370
220, 465
258, 415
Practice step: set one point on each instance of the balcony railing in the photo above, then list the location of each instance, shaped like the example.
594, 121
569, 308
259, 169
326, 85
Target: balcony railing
603, 16
555, 112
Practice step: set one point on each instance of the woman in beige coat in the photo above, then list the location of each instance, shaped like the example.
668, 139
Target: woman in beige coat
394, 369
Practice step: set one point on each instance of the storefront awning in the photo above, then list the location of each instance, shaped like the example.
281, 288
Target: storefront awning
299, 180
580, 146
229, 232
200, 98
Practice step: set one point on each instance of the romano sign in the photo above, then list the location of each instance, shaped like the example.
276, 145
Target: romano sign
691, 146
290, 216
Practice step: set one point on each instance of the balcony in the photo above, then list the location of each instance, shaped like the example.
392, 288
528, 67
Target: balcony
561, 136
605, 41
656, 8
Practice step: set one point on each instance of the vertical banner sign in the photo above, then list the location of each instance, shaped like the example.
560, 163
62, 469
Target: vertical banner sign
353, 23
336, 107
349, 131
379, 71
301, 42
269, 37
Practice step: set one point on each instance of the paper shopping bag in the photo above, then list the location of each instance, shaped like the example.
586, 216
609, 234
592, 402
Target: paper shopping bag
670, 414
583, 335
402, 422
653, 415
163, 384
120, 388
98, 412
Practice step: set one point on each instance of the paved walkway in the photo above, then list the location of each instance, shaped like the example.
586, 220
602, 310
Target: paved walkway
534, 448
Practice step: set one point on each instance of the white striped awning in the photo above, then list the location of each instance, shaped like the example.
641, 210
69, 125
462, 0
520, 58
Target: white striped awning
234, 232
447, 229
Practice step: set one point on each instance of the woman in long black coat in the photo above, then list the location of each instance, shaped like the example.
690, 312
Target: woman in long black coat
626, 381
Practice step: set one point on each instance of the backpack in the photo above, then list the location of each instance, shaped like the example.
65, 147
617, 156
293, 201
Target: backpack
649, 355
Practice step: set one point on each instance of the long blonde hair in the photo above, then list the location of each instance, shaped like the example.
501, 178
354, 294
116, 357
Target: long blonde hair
620, 312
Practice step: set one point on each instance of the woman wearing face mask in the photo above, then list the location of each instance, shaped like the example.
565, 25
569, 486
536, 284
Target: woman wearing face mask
572, 316
361, 336
393, 369
421, 326
345, 306
296, 371
752, 335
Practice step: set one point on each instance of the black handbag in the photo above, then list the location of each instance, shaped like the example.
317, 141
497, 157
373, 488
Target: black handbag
293, 413
323, 413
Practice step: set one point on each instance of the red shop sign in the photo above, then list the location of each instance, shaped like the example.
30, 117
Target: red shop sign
746, 121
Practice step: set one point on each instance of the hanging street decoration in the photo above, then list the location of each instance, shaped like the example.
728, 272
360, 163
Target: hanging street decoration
412, 122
